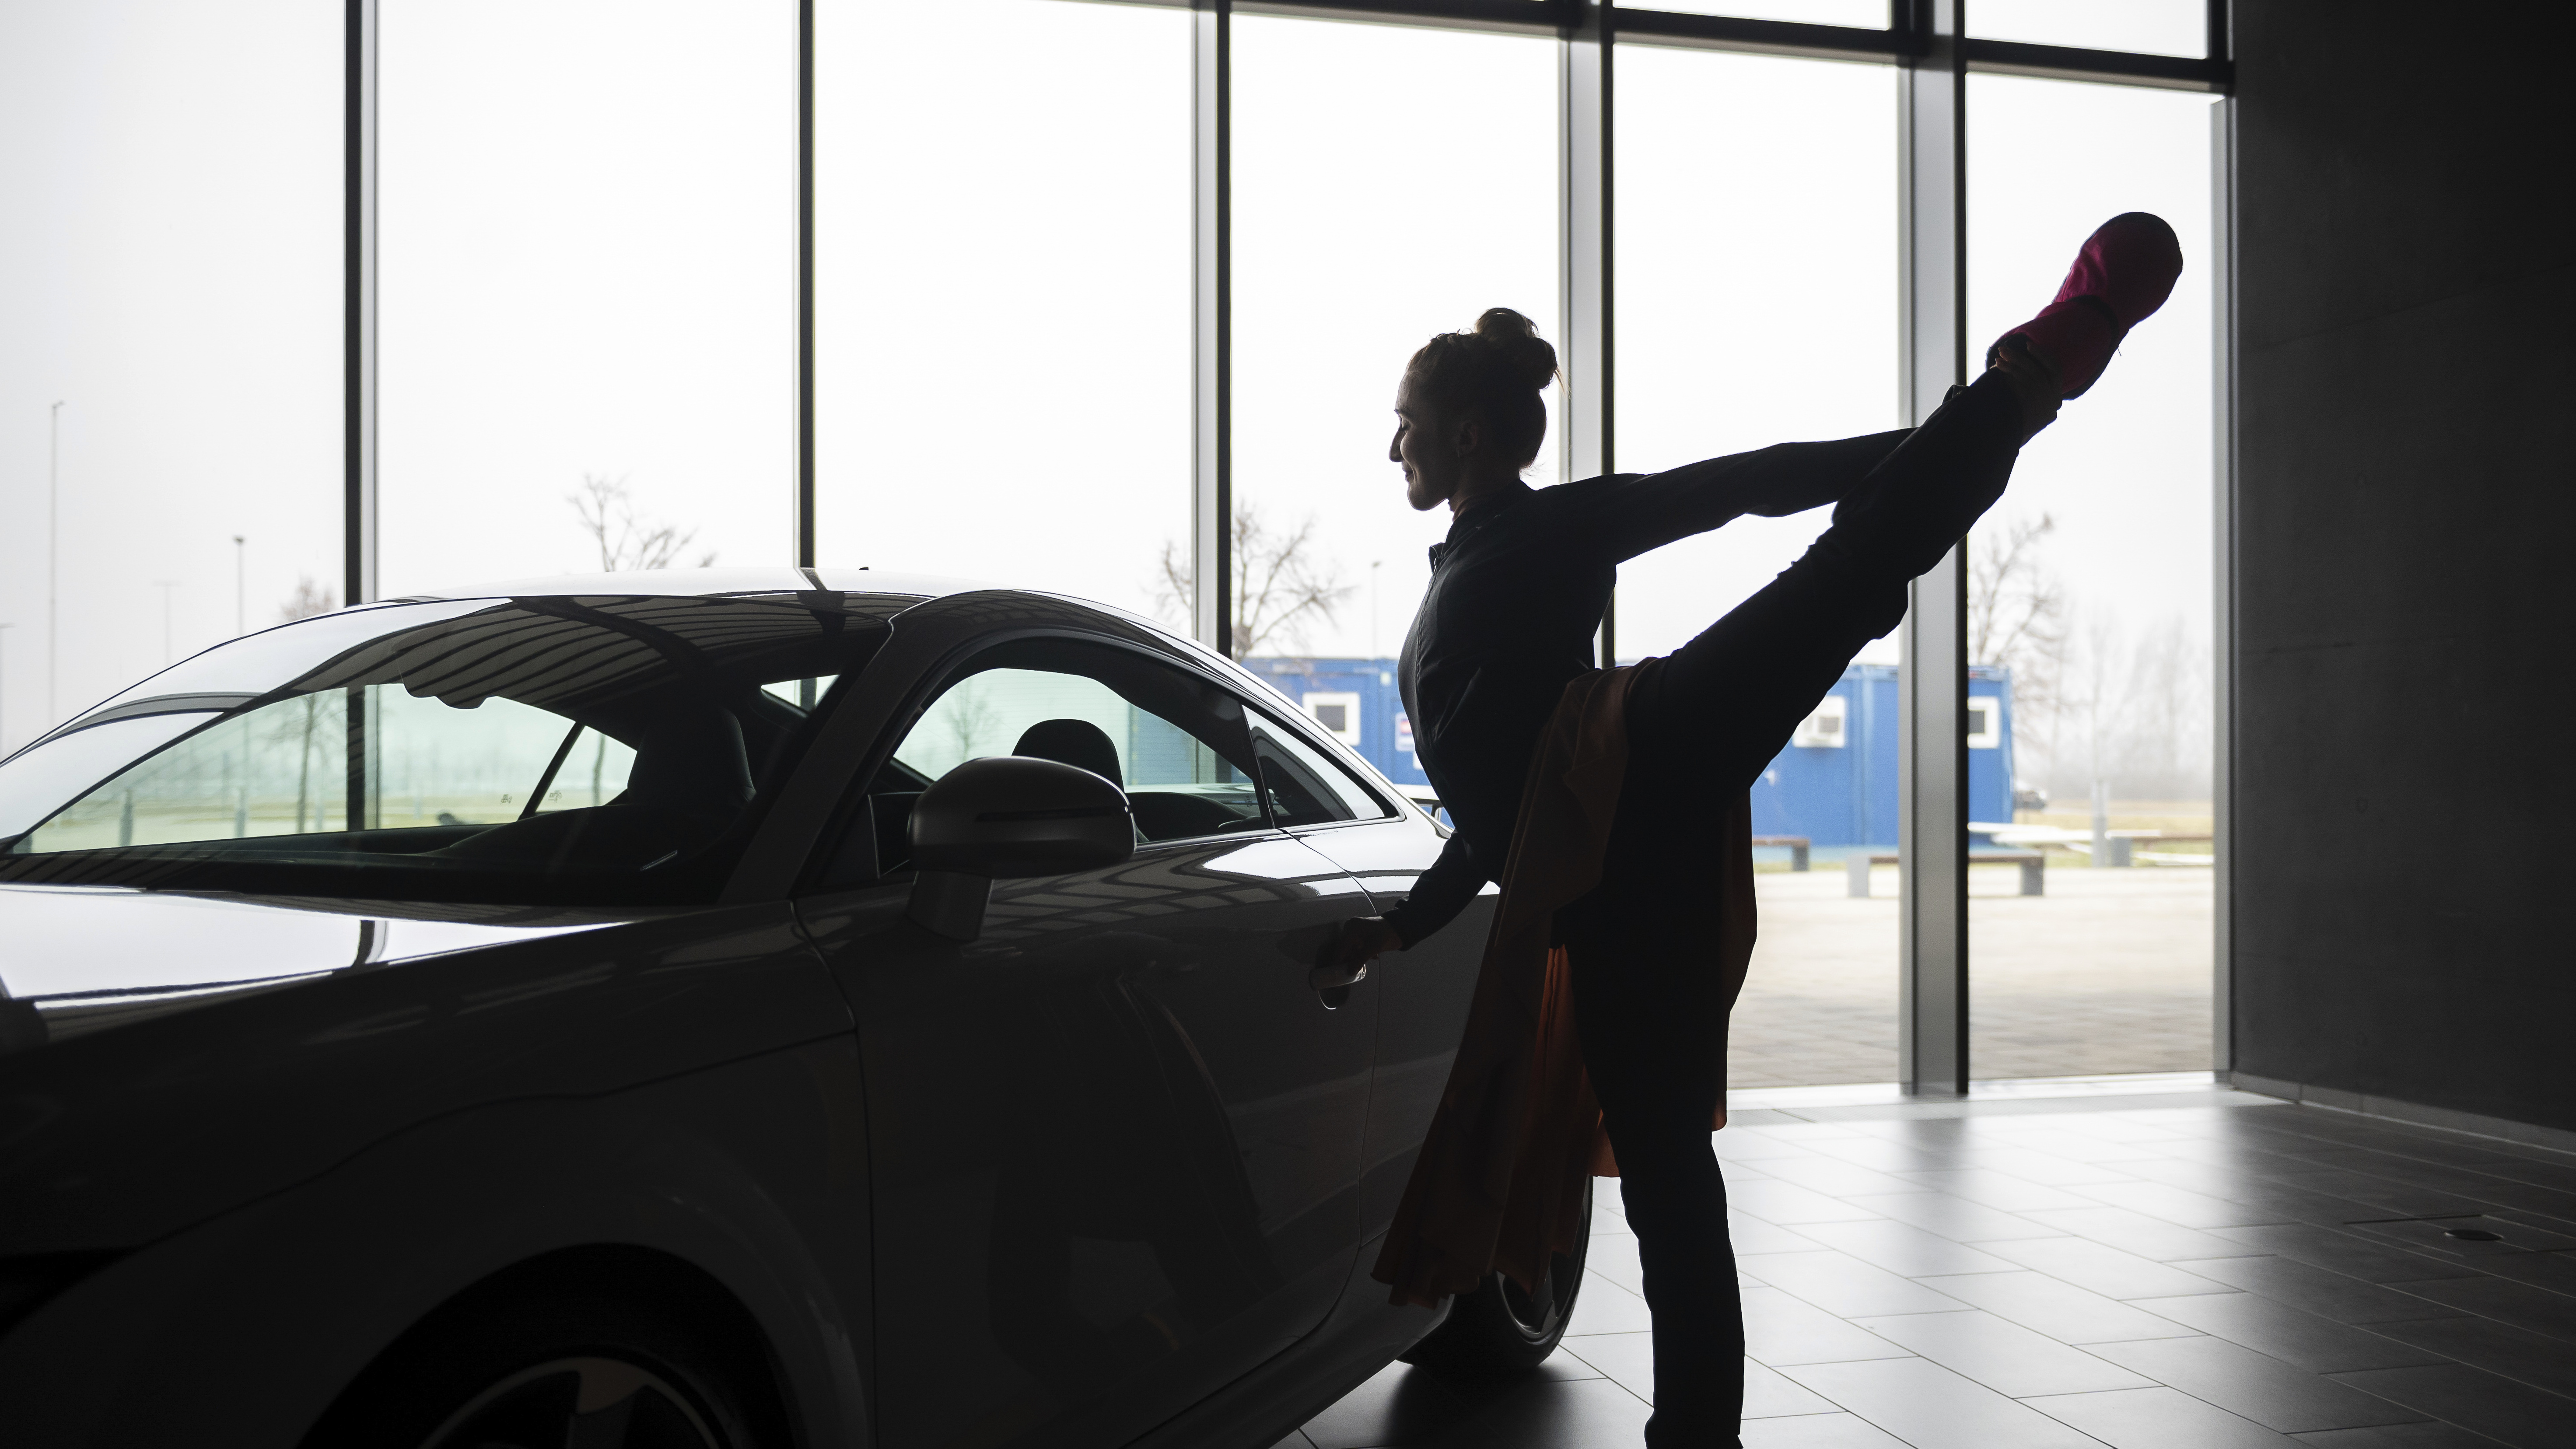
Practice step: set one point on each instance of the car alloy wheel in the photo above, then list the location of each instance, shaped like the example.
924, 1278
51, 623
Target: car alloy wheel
579, 1403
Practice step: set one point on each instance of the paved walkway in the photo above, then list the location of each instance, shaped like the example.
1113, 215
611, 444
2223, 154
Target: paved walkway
2108, 972
2196, 1270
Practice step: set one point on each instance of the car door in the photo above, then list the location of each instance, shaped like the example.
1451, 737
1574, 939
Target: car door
1116, 1138
1343, 812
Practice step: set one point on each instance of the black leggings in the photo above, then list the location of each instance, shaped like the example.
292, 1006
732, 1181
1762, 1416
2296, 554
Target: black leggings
1650, 1000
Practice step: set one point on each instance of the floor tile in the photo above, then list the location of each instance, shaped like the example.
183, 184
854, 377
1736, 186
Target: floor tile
1614, 1257
2292, 1335
1834, 1176
1605, 1307
1780, 1329
1845, 1285
2135, 1232
2011, 1360
1294, 1441
2057, 1308
1788, 1204
2158, 1418
1929, 1407
1995, 1189
2258, 1386
2105, 1270
1752, 1235
2178, 1205
2532, 1358
2355, 1257
2046, 1169
1955, 1218
1580, 1414
2426, 1435
1819, 1431
1629, 1360
2321, 1291
2515, 1414
1401, 1405
1904, 1248
2504, 1300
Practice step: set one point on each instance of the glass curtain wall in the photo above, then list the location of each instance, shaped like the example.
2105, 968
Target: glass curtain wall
1757, 304
2150, 27
2090, 597
1388, 183
1003, 284
586, 355
170, 335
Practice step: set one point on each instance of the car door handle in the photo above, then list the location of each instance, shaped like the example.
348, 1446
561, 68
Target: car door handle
1306, 946
1327, 978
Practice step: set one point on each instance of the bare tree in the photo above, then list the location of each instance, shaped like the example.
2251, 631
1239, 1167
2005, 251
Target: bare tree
2139, 708
308, 600
2017, 619
626, 539
1280, 585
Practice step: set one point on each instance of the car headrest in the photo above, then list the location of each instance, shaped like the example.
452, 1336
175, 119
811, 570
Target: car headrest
1075, 742
693, 759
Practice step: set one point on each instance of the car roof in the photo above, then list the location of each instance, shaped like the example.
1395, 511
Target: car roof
709, 582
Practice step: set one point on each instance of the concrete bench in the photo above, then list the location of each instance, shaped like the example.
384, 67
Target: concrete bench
1797, 848
2034, 868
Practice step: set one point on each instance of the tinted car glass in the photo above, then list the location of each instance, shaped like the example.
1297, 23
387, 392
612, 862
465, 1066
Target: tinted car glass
1305, 787
557, 750
1175, 744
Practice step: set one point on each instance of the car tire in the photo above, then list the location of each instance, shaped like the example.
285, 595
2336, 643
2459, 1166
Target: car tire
559, 1366
1499, 1330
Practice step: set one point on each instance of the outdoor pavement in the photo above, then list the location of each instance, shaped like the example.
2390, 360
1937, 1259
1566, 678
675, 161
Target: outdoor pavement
2199, 1269
2108, 972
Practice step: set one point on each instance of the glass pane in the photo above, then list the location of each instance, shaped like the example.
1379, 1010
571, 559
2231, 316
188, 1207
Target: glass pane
521, 751
1146, 729
1389, 183
1757, 273
1003, 291
1862, 14
586, 235
2155, 27
1305, 787
171, 278
2090, 607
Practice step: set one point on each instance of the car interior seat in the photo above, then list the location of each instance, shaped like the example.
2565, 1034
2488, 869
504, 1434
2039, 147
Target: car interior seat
690, 779
1075, 742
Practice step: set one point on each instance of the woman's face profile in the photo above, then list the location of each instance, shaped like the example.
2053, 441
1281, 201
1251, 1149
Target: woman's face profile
1431, 450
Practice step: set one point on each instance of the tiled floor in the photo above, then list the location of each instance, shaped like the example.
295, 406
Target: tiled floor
2192, 1270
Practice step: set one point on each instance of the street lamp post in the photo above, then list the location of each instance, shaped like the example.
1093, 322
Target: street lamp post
165, 586
53, 532
4, 686
241, 596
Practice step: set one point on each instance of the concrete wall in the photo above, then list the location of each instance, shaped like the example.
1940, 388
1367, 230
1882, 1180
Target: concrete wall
2405, 870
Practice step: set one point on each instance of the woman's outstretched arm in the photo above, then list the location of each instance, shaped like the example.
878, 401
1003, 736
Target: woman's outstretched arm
1639, 514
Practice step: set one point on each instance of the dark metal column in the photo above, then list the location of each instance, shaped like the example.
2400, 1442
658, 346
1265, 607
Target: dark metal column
1584, 443
358, 367
1932, 692
1212, 411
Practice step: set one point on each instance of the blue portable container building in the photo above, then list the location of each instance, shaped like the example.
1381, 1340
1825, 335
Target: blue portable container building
1834, 784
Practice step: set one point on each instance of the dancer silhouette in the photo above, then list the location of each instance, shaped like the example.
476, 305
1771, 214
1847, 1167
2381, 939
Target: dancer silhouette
1516, 597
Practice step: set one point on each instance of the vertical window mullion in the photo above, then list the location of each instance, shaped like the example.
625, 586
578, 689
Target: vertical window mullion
1212, 420
1584, 220
1932, 679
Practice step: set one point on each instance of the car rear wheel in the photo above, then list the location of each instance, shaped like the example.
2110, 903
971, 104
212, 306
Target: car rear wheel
1502, 1328
566, 1368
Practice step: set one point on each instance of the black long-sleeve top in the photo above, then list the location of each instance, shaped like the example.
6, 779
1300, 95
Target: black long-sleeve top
1516, 598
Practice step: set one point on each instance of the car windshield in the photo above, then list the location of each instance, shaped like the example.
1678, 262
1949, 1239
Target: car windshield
567, 750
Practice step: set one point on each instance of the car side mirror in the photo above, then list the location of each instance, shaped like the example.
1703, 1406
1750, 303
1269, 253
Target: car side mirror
1007, 816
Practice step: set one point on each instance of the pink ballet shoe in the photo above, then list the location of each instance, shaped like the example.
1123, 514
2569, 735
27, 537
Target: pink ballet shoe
2123, 274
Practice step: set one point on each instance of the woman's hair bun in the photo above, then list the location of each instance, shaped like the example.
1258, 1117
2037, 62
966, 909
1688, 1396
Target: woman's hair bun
1495, 373
1525, 356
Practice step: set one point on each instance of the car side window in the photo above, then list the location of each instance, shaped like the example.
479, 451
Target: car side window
1306, 787
1178, 746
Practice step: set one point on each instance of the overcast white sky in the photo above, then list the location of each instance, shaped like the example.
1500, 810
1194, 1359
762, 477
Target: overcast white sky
587, 268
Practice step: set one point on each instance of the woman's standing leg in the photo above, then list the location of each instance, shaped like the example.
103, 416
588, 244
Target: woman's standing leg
1649, 988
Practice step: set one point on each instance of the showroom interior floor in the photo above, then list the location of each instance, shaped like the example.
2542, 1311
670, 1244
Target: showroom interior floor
2189, 1270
